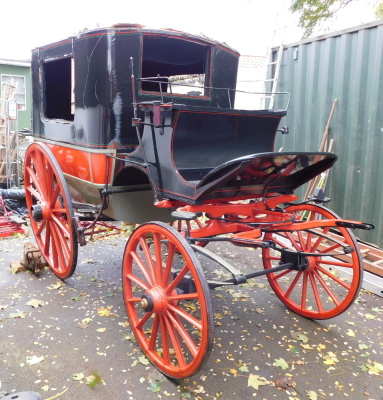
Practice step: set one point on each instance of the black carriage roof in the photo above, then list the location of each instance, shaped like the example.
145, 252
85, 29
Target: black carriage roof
122, 28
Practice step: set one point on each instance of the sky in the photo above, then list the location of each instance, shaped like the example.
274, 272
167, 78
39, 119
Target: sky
246, 25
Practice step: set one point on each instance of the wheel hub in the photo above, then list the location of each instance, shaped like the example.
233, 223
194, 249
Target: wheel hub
156, 300
37, 213
300, 261
41, 211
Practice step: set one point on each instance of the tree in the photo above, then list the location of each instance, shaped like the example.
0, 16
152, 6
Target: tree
313, 12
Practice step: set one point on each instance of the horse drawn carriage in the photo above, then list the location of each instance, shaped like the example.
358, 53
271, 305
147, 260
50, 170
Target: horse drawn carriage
139, 125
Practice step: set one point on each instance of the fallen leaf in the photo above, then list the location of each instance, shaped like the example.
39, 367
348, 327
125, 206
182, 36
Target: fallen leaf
280, 362
85, 323
93, 380
101, 330
35, 303
155, 386
373, 368
284, 383
330, 358
34, 360
299, 336
255, 381
351, 333
20, 314
312, 395
55, 286
143, 360
105, 312
78, 377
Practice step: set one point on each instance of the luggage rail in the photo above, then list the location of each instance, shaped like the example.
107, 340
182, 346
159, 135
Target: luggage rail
165, 80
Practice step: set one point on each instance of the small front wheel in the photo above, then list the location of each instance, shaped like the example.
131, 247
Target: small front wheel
330, 283
50, 210
167, 300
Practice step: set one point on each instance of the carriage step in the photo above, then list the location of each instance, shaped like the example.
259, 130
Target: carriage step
186, 215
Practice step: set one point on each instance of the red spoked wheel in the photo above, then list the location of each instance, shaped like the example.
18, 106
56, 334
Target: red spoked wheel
50, 210
331, 281
167, 300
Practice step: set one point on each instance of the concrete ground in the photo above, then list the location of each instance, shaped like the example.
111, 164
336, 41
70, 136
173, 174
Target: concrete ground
55, 339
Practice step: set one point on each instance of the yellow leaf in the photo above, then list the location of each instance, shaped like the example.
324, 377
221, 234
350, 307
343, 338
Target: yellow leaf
280, 362
34, 360
45, 388
312, 395
35, 303
78, 377
105, 312
350, 332
233, 371
255, 381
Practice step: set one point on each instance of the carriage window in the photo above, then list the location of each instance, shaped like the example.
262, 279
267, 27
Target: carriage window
185, 63
58, 78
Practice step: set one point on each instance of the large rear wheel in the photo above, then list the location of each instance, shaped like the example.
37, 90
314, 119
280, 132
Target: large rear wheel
167, 300
330, 282
50, 210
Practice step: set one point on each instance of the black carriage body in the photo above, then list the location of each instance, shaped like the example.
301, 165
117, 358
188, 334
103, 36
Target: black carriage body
82, 89
83, 104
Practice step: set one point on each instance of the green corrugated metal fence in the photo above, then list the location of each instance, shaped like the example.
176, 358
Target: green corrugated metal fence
347, 66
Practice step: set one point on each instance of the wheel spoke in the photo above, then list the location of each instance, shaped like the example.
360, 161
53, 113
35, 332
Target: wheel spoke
148, 259
168, 265
304, 292
138, 281
154, 333
336, 263
317, 296
186, 316
183, 333
178, 279
334, 278
140, 263
326, 288
37, 191
293, 284
175, 341
165, 342
297, 246
158, 257
140, 324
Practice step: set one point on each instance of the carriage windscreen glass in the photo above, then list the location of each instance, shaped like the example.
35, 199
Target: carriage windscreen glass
58, 89
183, 61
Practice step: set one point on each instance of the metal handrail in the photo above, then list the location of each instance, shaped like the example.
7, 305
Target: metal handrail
167, 81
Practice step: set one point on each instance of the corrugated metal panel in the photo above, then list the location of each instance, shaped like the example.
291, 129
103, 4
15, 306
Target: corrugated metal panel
348, 66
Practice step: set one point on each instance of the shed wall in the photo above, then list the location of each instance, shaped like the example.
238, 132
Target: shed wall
24, 117
347, 66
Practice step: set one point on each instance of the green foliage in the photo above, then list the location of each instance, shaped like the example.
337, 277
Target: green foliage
313, 12
379, 11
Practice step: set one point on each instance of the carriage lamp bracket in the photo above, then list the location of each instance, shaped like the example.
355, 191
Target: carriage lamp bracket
284, 130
